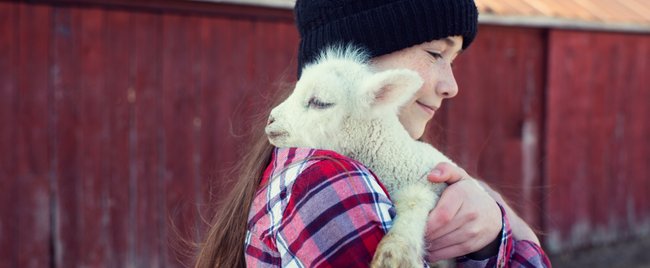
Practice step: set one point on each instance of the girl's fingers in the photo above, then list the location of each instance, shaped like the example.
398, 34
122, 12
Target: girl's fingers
444, 216
446, 173
470, 235
450, 252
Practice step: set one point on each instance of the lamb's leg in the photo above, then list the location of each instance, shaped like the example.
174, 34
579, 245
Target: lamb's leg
403, 246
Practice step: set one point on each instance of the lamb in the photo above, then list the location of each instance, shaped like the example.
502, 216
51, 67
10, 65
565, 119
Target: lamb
342, 104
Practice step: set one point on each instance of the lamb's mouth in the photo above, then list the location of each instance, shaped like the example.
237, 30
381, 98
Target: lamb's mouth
274, 135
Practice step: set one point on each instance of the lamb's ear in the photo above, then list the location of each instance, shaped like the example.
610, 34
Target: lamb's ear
392, 88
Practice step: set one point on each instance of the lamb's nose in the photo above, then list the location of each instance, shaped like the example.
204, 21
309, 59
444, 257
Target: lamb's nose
271, 120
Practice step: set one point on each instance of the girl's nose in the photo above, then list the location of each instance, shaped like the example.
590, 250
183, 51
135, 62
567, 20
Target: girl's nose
446, 86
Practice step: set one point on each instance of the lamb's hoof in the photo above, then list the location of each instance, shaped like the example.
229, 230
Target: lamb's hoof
394, 252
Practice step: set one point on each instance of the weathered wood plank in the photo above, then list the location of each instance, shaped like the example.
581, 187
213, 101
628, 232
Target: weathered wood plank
93, 123
240, 59
67, 219
221, 125
121, 180
637, 144
215, 34
179, 101
8, 132
149, 194
33, 147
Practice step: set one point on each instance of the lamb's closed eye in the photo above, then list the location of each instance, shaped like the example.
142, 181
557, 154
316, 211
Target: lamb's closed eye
315, 103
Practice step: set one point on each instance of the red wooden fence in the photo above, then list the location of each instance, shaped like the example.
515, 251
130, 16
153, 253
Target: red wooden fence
116, 118
598, 150
113, 121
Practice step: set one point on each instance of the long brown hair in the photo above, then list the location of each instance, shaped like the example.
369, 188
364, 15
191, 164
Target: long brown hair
224, 242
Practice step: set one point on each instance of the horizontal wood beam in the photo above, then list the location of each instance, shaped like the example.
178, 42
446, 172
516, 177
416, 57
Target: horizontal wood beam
561, 23
287, 4
229, 9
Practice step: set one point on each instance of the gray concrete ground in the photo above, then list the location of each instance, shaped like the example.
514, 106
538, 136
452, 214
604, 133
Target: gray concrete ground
634, 253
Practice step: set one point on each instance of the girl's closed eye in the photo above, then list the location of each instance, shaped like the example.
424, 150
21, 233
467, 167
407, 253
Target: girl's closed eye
435, 55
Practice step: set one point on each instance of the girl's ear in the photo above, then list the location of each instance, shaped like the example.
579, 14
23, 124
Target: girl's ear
391, 88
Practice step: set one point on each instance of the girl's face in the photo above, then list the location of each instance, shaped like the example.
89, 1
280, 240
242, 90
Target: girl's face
432, 60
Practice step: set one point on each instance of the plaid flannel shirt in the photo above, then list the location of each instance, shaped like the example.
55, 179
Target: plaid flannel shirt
317, 208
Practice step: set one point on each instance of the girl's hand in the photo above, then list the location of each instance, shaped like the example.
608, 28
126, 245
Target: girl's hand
465, 220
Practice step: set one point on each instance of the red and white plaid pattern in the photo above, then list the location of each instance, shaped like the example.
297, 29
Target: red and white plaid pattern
317, 208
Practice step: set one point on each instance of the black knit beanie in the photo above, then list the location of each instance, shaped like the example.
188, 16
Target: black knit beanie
380, 26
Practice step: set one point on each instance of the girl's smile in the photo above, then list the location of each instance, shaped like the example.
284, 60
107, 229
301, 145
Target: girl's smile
428, 109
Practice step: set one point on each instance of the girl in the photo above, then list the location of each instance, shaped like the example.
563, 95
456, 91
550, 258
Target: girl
304, 207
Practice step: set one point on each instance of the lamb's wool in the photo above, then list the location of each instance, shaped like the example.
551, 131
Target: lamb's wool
342, 104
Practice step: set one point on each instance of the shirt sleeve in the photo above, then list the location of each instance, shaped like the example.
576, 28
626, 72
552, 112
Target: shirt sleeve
512, 253
336, 216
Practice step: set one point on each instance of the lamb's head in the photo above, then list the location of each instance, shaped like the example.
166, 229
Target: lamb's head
340, 86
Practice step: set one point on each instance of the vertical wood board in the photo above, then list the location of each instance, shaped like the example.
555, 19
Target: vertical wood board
147, 105
93, 125
8, 132
179, 101
66, 212
120, 177
33, 148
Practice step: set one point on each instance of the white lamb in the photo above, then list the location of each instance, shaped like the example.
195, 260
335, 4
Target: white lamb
342, 104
